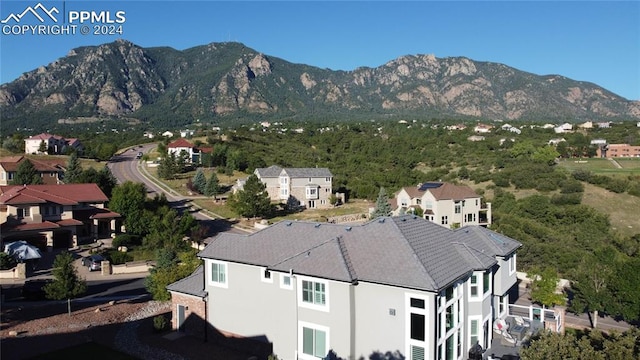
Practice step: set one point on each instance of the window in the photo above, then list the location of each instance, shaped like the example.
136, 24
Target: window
327, 179
428, 204
418, 201
458, 208
417, 327
314, 342
486, 278
471, 217
449, 348
285, 282
23, 212
218, 274
473, 331
312, 192
449, 293
512, 264
473, 285
449, 318
309, 179
445, 220
284, 192
417, 303
313, 292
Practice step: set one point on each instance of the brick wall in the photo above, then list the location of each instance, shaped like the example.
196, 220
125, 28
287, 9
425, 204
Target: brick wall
194, 314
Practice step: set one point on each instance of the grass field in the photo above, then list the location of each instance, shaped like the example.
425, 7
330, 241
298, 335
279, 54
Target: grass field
604, 166
623, 209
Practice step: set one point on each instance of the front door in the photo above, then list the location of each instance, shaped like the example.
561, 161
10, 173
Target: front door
180, 317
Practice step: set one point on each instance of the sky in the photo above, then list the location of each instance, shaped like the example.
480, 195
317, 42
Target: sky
594, 41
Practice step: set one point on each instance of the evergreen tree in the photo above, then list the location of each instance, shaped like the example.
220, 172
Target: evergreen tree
167, 167
383, 208
26, 174
74, 170
212, 188
128, 200
199, 181
43, 147
67, 283
253, 200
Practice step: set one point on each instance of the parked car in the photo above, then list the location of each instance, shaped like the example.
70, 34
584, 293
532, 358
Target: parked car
34, 289
93, 262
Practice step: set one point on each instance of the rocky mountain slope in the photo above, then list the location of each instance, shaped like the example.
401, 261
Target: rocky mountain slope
230, 81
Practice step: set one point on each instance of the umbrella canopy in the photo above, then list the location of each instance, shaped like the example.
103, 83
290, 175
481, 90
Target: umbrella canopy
22, 250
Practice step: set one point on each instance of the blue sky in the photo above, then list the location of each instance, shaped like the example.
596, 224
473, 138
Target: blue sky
590, 41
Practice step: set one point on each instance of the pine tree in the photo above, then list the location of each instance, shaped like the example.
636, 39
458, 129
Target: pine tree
199, 181
253, 200
74, 170
167, 167
67, 283
26, 174
43, 147
212, 188
383, 208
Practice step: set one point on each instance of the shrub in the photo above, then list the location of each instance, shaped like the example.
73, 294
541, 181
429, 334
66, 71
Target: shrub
6, 262
582, 175
160, 323
126, 240
634, 189
118, 257
571, 187
567, 199
617, 185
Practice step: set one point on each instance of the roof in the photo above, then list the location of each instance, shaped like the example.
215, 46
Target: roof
42, 136
180, 143
11, 163
276, 171
448, 191
191, 285
63, 194
405, 251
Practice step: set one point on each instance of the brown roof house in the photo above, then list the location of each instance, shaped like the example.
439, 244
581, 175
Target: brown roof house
445, 204
50, 170
55, 216
53, 144
193, 154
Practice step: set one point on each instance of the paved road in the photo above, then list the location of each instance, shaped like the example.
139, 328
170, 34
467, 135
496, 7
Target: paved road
125, 167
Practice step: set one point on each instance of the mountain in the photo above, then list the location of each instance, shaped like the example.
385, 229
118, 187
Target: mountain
229, 81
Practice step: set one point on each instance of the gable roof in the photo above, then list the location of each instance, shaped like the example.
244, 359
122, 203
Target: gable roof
42, 136
63, 194
405, 251
180, 143
191, 285
11, 163
276, 171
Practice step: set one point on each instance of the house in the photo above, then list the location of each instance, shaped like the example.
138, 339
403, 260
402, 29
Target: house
586, 125
618, 150
307, 187
54, 144
476, 138
193, 153
598, 142
187, 133
556, 141
483, 128
51, 170
167, 133
54, 216
396, 284
604, 124
456, 127
561, 129
445, 204
148, 135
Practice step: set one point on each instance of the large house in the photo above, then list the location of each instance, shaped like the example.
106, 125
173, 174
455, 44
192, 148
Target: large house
51, 170
445, 204
53, 144
54, 216
395, 284
307, 187
618, 151
193, 153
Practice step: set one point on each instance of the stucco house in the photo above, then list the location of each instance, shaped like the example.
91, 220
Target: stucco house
54, 216
396, 284
194, 153
307, 187
51, 170
54, 144
445, 204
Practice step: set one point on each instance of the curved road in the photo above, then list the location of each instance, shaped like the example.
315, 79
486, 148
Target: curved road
125, 168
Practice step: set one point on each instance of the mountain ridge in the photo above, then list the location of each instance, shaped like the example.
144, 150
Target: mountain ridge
227, 81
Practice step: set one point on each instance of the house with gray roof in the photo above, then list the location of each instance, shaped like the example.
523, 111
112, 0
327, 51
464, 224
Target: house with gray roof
445, 204
305, 187
395, 284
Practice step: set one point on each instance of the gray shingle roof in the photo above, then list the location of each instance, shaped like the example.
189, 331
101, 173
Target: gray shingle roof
275, 171
191, 285
403, 251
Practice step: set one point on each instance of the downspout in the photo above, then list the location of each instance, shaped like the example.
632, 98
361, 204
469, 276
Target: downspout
295, 294
205, 298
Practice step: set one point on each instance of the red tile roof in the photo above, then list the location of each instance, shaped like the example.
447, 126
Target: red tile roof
42, 136
69, 222
11, 163
180, 143
64, 194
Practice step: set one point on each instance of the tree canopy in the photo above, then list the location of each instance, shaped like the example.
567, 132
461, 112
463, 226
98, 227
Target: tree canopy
26, 174
253, 200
